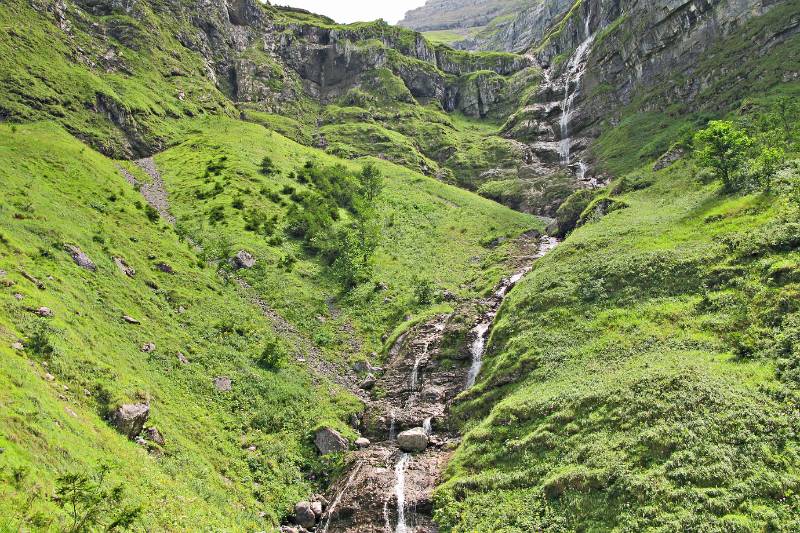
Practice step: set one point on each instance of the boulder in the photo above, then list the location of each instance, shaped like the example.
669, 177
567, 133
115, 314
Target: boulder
153, 435
18, 297
129, 419
80, 258
18, 346
124, 267
223, 384
149, 347
182, 358
329, 441
130, 320
363, 442
369, 382
316, 506
413, 440
243, 260
44, 312
304, 516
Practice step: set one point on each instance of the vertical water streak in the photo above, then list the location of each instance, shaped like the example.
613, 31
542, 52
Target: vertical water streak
575, 71
476, 349
400, 492
332, 508
427, 425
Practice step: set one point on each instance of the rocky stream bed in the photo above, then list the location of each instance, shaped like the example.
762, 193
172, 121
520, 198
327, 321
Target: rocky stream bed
389, 483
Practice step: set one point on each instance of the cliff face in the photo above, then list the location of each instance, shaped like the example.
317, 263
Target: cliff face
602, 55
459, 14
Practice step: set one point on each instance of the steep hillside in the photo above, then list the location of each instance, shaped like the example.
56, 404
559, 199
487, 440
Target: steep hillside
459, 19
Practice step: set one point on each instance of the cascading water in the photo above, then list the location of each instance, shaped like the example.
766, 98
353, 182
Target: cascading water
427, 425
575, 70
400, 492
476, 350
338, 498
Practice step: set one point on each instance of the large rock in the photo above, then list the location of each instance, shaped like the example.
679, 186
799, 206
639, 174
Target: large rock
124, 267
129, 419
223, 384
413, 440
243, 260
329, 440
80, 258
304, 515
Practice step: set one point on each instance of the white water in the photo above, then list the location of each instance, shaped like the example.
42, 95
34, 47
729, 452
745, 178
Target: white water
427, 425
478, 345
393, 426
400, 492
575, 70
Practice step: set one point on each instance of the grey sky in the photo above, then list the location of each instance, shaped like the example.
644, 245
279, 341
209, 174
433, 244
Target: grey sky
356, 10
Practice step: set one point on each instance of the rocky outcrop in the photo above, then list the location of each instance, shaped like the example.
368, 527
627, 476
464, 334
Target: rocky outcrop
80, 258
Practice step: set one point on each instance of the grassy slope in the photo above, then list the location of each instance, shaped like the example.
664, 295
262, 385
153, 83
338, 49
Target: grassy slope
63, 197
612, 397
430, 231
207, 432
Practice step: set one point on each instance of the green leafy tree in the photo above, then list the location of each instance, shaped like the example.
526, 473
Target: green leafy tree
766, 165
724, 148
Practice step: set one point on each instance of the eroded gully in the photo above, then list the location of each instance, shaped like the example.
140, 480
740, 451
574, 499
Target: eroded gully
389, 490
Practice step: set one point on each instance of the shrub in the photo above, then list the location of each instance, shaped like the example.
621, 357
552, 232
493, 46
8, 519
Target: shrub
267, 167
91, 504
274, 355
423, 291
151, 213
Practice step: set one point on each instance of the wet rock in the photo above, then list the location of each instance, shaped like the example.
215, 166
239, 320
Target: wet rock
149, 347
153, 435
304, 516
80, 258
124, 267
363, 442
223, 384
130, 320
329, 441
243, 259
129, 419
413, 440
369, 382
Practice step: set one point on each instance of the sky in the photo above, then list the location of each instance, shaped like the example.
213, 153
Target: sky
391, 11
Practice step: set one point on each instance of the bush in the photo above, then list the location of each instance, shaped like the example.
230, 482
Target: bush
423, 291
267, 167
274, 355
151, 213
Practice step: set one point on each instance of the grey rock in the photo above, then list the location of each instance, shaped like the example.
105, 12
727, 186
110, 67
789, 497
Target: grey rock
413, 440
165, 268
369, 382
124, 267
130, 320
18, 297
363, 442
304, 516
80, 258
243, 259
18, 346
223, 384
329, 441
182, 358
44, 312
153, 435
316, 507
149, 347
129, 419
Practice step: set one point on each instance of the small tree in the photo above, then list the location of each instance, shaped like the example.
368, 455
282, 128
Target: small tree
371, 182
766, 165
91, 504
724, 148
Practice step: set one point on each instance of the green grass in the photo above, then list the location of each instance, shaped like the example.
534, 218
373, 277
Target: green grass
444, 36
50, 428
631, 382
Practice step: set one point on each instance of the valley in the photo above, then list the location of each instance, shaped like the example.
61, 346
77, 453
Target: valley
535, 268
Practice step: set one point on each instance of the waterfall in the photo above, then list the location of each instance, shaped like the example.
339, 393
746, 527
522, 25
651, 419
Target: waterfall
478, 345
427, 425
392, 426
575, 70
400, 492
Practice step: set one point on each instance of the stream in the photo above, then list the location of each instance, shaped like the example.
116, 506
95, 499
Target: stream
387, 489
